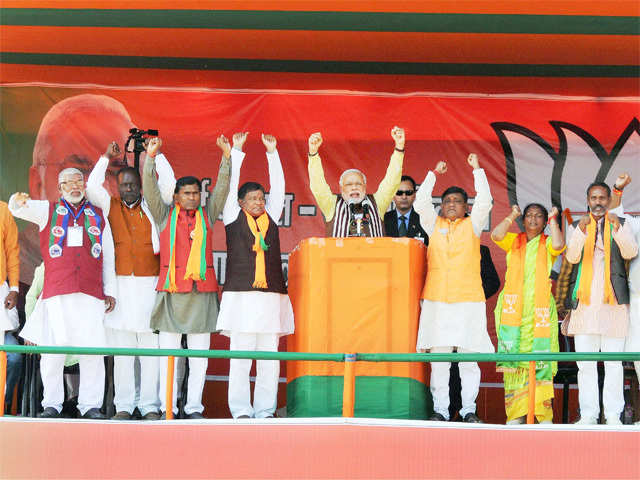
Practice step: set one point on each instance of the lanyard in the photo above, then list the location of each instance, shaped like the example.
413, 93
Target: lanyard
75, 217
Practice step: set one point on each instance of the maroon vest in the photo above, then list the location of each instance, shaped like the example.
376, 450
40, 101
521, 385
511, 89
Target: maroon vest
184, 225
76, 270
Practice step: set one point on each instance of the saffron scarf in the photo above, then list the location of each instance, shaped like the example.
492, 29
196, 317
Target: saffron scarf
197, 262
509, 329
582, 290
259, 227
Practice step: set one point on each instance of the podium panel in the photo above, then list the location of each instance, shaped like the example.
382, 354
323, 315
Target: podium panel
357, 295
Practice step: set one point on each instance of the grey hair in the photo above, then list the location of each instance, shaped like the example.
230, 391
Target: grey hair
352, 170
68, 171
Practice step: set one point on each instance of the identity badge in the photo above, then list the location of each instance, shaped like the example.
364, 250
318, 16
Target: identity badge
74, 236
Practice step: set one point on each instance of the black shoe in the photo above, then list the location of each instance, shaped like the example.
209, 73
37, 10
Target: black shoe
49, 412
153, 416
122, 415
94, 414
472, 418
437, 417
194, 416
243, 416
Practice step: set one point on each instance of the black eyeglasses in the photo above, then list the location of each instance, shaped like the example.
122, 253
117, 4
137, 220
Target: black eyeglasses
408, 193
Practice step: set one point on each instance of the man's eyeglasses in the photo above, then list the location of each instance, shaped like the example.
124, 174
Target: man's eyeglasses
72, 183
408, 193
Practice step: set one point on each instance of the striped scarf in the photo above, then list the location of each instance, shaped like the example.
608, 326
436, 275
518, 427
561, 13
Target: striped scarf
342, 217
197, 262
509, 329
259, 227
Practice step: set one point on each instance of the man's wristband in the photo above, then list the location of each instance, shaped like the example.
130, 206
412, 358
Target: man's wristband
398, 150
313, 154
509, 220
617, 191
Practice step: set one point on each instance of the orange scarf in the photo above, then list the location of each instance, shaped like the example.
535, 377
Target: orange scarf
586, 266
259, 227
512, 303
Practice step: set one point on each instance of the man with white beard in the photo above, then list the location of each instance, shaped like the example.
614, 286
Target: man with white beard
79, 285
353, 213
137, 246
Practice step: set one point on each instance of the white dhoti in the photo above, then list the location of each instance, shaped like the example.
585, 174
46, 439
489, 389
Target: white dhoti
128, 327
254, 321
75, 320
443, 327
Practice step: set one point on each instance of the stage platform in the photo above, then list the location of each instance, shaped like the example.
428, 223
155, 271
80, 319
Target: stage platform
314, 448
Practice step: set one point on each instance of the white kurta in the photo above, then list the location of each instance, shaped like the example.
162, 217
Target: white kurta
454, 324
254, 311
8, 318
74, 319
633, 335
136, 297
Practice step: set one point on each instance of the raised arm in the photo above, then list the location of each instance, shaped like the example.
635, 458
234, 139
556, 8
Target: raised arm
166, 179
158, 208
423, 204
557, 239
391, 180
317, 183
108, 262
36, 211
622, 181
216, 201
231, 208
502, 228
275, 203
11, 250
96, 193
483, 202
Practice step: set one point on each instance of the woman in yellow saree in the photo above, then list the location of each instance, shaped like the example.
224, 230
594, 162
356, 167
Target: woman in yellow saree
526, 316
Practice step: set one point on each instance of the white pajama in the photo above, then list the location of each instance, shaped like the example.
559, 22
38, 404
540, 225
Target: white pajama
439, 383
123, 372
267, 374
612, 392
91, 391
197, 371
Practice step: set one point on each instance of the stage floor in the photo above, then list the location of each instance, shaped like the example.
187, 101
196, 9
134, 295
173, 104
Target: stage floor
314, 448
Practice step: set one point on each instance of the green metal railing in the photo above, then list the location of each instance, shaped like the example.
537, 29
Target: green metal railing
348, 359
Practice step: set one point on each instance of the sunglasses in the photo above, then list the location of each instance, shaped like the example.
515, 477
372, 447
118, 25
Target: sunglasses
408, 193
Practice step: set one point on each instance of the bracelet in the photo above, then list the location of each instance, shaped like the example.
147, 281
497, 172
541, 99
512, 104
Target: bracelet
510, 220
398, 150
552, 218
313, 154
617, 191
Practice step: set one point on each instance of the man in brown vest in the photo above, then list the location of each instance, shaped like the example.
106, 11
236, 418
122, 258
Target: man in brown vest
137, 266
255, 310
354, 212
187, 298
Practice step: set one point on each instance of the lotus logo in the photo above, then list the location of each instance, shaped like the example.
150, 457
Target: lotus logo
538, 171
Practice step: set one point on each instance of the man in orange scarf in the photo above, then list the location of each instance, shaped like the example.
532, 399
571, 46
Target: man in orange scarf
255, 310
187, 298
599, 243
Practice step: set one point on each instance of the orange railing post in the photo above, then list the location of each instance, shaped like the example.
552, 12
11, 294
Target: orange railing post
3, 379
349, 387
531, 413
169, 398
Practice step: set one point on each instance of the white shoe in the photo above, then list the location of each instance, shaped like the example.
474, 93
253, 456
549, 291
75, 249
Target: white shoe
586, 421
546, 422
614, 421
637, 423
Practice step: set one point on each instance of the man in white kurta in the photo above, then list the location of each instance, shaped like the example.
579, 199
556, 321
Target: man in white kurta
137, 266
70, 319
254, 317
447, 324
632, 342
598, 324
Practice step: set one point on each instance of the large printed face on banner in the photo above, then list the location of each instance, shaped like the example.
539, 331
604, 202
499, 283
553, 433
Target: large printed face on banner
73, 134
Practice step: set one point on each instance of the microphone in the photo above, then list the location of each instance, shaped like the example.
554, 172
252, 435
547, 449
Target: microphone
357, 217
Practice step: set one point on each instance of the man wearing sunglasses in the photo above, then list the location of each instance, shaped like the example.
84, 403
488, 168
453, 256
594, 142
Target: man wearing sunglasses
403, 221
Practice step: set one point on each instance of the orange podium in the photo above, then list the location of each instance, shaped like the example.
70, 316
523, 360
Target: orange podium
357, 295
